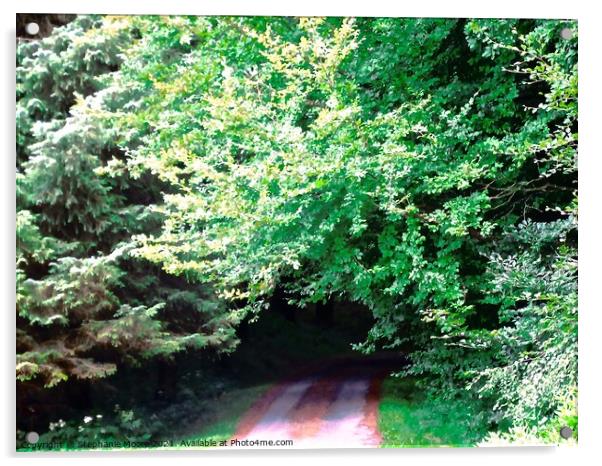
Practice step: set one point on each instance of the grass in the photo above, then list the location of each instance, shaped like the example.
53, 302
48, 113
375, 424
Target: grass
233, 405
407, 418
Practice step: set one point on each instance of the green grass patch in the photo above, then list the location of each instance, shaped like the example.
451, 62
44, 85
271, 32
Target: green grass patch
407, 418
232, 406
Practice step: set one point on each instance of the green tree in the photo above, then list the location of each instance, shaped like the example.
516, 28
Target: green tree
84, 304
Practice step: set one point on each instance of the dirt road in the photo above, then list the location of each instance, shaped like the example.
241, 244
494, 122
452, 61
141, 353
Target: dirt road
336, 406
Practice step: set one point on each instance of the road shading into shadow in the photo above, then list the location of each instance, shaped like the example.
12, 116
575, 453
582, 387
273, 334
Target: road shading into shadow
329, 407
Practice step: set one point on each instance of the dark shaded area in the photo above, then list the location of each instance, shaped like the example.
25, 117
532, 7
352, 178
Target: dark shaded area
284, 342
46, 21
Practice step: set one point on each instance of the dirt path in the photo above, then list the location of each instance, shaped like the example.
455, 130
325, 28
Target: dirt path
333, 407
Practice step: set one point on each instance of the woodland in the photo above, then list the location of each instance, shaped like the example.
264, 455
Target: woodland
204, 203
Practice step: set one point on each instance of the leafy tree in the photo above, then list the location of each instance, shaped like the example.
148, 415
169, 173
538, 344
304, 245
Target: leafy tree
84, 305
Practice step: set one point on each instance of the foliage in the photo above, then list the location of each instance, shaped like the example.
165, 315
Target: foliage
94, 431
408, 418
224, 422
84, 304
424, 168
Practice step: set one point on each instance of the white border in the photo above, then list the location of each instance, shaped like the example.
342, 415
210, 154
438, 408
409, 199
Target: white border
590, 170
463, 8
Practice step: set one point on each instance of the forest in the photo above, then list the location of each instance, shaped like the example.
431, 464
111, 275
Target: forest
207, 204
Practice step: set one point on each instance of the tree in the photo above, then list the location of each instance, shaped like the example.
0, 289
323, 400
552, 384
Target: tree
84, 304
